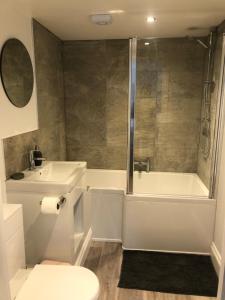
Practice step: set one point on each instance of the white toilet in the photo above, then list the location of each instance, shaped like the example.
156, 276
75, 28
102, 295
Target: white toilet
47, 281
57, 282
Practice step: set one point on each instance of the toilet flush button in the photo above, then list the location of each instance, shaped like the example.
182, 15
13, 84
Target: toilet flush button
49, 282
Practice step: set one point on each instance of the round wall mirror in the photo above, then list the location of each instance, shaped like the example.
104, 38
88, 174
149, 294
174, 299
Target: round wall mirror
17, 72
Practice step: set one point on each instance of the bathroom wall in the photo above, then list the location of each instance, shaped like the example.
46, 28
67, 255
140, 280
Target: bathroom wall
15, 21
204, 163
218, 239
96, 96
168, 105
23, 119
51, 134
4, 272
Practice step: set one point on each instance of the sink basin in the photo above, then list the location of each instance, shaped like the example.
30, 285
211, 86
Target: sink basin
52, 177
53, 172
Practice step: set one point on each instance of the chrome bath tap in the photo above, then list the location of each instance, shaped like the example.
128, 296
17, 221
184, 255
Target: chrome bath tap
141, 166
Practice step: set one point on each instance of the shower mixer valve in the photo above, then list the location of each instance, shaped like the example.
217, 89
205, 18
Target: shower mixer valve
143, 166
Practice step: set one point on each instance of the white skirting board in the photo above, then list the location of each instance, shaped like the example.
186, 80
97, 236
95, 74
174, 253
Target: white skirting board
107, 240
216, 258
84, 250
166, 251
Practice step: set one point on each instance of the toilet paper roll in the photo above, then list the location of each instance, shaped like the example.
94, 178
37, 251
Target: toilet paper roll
49, 205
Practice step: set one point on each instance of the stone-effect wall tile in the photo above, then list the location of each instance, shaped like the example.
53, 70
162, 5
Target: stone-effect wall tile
146, 83
205, 164
96, 92
169, 158
95, 77
168, 104
168, 131
186, 84
145, 128
97, 157
16, 151
180, 55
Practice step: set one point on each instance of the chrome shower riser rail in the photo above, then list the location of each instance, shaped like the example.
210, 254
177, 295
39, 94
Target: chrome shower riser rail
219, 127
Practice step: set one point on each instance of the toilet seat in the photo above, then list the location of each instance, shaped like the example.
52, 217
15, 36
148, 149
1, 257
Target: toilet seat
55, 282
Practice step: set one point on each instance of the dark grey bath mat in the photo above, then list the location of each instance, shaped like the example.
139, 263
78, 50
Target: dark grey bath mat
169, 273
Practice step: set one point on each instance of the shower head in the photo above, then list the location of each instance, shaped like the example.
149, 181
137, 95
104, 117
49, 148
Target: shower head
202, 43
198, 41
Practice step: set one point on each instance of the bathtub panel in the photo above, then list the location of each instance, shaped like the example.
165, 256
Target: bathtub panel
162, 217
100, 178
168, 224
107, 208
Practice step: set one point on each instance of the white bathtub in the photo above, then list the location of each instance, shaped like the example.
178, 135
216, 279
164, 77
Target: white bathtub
167, 212
156, 183
166, 183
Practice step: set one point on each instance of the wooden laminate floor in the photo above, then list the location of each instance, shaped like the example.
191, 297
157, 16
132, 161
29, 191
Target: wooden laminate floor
104, 259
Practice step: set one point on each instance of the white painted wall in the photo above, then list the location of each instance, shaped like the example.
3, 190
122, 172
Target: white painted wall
219, 238
15, 22
4, 287
217, 245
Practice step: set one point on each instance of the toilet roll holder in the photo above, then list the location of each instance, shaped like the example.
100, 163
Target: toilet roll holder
62, 201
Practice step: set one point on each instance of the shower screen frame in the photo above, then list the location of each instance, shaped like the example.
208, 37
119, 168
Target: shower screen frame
131, 112
219, 127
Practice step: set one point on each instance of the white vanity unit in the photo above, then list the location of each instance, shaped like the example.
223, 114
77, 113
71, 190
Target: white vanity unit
59, 237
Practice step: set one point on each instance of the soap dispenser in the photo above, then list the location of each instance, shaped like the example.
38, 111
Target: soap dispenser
37, 156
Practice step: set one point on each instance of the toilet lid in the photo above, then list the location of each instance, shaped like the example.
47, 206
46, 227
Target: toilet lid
48, 282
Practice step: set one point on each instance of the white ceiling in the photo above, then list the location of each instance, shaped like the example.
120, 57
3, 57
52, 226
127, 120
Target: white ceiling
69, 19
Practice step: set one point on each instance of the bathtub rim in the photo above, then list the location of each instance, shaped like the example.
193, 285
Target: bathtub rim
123, 172
113, 190
169, 198
157, 197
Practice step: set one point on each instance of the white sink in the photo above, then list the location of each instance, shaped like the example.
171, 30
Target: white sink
52, 177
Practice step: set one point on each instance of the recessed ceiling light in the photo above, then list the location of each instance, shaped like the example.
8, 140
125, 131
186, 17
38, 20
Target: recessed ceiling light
147, 43
151, 19
116, 11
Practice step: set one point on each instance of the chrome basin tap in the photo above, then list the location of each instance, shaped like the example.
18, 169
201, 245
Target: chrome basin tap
31, 160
